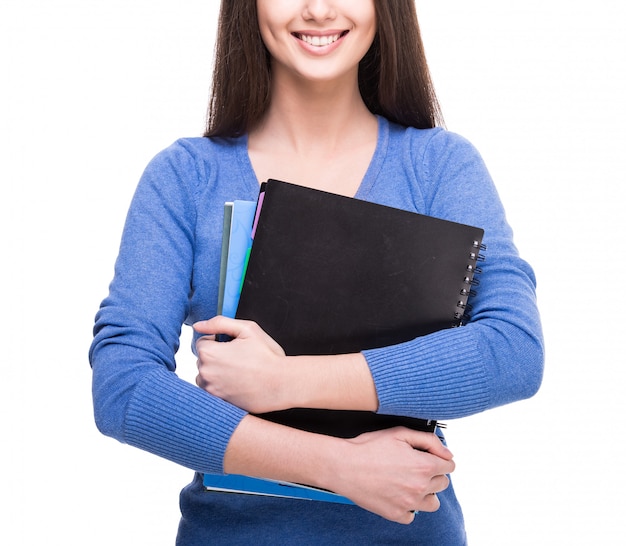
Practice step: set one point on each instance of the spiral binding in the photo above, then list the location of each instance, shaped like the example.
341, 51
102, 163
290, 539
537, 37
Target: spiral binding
469, 281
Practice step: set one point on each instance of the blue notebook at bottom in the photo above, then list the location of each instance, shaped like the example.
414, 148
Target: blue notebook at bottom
234, 483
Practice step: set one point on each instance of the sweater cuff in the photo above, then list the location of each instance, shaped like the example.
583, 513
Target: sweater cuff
438, 376
180, 422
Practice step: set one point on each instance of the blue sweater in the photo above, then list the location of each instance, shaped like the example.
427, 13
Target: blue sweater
167, 275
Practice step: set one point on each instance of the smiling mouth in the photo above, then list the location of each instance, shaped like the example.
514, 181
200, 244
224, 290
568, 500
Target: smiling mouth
320, 41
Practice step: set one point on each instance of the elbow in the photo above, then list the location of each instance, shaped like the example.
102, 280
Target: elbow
106, 421
531, 361
527, 371
107, 417
109, 405
531, 375
518, 366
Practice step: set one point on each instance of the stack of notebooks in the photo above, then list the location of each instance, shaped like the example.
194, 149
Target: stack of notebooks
327, 274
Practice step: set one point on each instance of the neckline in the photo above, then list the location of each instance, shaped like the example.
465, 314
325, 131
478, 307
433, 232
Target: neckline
369, 178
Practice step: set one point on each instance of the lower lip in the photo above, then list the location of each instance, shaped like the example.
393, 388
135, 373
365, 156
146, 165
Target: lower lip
319, 50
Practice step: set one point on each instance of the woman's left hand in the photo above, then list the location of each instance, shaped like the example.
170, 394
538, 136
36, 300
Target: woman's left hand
248, 371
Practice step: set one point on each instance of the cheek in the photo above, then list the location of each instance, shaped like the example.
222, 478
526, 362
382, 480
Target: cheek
275, 46
369, 26
368, 38
365, 13
270, 26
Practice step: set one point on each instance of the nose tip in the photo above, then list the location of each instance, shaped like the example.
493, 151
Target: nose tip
319, 10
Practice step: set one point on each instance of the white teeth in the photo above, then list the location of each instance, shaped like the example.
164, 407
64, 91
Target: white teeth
319, 41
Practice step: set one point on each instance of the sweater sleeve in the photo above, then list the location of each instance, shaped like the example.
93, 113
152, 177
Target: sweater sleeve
496, 358
138, 398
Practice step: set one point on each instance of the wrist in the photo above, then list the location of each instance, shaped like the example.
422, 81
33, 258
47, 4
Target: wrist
337, 460
282, 385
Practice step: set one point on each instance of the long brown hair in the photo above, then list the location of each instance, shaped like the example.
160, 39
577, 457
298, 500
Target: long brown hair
394, 79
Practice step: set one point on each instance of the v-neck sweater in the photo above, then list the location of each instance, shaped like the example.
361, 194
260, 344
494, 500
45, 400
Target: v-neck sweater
167, 272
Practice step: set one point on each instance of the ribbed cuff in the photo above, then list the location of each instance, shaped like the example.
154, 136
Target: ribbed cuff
439, 376
180, 422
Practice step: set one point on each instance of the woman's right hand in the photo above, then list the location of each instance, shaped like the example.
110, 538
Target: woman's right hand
393, 472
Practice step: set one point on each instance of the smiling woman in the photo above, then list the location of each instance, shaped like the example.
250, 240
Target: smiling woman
333, 95
394, 80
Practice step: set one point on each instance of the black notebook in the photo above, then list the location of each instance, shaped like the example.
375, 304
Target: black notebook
329, 274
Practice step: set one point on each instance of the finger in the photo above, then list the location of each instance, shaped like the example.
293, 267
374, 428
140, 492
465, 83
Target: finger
205, 340
427, 441
203, 344
405, 518
237, 328
440, 483
430, 503
233, 328
219, 325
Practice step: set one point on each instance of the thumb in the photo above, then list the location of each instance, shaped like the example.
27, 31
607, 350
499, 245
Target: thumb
219, 325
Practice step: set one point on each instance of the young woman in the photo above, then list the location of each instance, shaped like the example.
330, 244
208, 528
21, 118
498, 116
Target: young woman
334, 95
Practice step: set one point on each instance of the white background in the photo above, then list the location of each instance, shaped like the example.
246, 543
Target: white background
91, 90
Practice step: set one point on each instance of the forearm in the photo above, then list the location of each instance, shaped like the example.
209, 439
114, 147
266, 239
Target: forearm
264, 449
341, 382
391, 472
457, 372
252, 372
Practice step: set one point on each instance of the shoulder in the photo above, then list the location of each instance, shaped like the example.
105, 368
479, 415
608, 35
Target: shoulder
435, 154
443, 166
192, 161
429, 144
189, 151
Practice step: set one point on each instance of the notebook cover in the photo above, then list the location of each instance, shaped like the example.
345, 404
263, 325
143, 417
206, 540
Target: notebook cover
228, 213
238, 243
330, 274
235, 483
